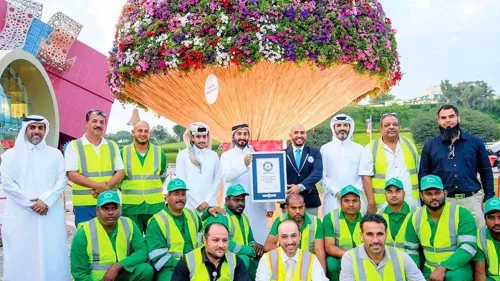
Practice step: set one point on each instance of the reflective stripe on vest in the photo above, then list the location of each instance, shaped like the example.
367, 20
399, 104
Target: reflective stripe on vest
445, 244
380, 167
308, 234
198, 270
400, 239
173, 237
235, 232
303, 268
490, 252
97, 168
343, 236
100, 249
142, 183
364, 268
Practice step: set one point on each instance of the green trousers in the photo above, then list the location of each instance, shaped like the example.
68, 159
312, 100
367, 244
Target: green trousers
143, 272
463, 273
333, 268
165, 274
141, 220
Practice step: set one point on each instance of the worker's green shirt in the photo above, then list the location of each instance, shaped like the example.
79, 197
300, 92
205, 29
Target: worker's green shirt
466, 228
155, 239
330, 228
145, 208
480, 257
396, 219
246, 250
80, 264
307, 220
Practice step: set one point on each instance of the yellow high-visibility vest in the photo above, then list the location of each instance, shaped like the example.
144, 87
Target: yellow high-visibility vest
173, 236
380, 167
100, 249
97, 168
142, 182
303, 268
343, 237
198, 270
364, 269
490, 253
399, 241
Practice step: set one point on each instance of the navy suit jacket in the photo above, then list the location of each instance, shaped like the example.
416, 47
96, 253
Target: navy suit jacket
309, 172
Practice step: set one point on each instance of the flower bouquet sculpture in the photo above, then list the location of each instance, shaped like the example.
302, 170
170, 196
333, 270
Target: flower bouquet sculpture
277, 63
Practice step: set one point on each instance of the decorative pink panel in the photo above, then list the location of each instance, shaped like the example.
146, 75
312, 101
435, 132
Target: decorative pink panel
20, 15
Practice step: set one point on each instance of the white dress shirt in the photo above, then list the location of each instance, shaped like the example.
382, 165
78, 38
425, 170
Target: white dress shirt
263, 273
340, 168
411, 271
204, 183
396, 168
71, 158
234, 172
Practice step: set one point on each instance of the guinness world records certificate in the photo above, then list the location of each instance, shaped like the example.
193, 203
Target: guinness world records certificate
268, 176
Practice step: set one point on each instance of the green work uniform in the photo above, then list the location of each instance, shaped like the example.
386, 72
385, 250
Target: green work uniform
155, 239
135, 266
333, 263
141, 213
458, 264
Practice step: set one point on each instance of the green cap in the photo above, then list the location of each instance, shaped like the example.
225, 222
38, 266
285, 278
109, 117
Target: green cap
108, 196
394, 182
492, 204
236, 190
431, 181
176, 184
219, 219
349, 189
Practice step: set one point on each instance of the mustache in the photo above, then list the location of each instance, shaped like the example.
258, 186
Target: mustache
448, 133
376, 244
97, 128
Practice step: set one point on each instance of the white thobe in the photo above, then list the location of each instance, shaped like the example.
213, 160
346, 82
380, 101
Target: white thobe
234, 171
396, 168
340, 168
204, 183
35, 246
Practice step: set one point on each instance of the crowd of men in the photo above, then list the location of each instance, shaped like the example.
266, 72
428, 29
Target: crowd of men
388, 212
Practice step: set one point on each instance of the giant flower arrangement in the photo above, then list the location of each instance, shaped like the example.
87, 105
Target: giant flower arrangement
325, 53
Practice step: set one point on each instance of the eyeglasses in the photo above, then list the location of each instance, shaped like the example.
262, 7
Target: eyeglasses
96, 111
451, 154
390, 114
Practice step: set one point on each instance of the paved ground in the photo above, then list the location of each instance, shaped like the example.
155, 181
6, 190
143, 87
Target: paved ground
70, 227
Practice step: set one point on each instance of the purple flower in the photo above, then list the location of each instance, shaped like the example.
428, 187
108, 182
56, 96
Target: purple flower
179, 37
290, 13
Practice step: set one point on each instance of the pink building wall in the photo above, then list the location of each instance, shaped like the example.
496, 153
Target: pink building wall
82, 88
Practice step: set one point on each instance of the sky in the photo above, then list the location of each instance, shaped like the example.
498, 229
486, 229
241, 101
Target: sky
457, 40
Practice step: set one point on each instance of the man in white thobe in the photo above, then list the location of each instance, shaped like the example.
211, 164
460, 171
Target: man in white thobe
341, 159
198, 166
235, 166
34, 228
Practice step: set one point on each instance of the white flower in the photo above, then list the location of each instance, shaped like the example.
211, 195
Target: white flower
197, 41
172, 61
137, 26
130, 57
224, 18
187, 43
184, 19
162, 38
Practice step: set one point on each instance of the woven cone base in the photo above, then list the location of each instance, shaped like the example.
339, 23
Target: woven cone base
271, 98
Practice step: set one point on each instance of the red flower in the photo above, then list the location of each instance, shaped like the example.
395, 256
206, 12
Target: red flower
150, 33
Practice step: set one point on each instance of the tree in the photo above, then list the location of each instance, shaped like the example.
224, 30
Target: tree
477, 95
381, 99
160, 135
121, 138
179, 131
425, 127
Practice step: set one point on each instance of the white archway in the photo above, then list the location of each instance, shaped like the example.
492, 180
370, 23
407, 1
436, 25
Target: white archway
36, 80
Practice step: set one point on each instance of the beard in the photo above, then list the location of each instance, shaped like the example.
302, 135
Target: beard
35, 139
241, 143
441, 204
449, 133
342, 135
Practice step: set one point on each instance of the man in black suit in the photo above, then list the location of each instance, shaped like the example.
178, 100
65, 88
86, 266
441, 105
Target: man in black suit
304, 169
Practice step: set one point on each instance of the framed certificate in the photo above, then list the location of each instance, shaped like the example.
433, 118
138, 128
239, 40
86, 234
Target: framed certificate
268, 176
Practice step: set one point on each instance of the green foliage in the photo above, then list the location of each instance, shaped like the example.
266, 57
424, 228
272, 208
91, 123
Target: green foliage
476, 95
172, 149
121, 138
178, 131
471, 121
160, 135
381, 99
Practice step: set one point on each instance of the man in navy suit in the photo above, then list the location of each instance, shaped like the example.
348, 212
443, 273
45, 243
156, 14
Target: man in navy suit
304, 168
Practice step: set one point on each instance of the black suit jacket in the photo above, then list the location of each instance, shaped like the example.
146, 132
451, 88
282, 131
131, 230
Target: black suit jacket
308, 173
